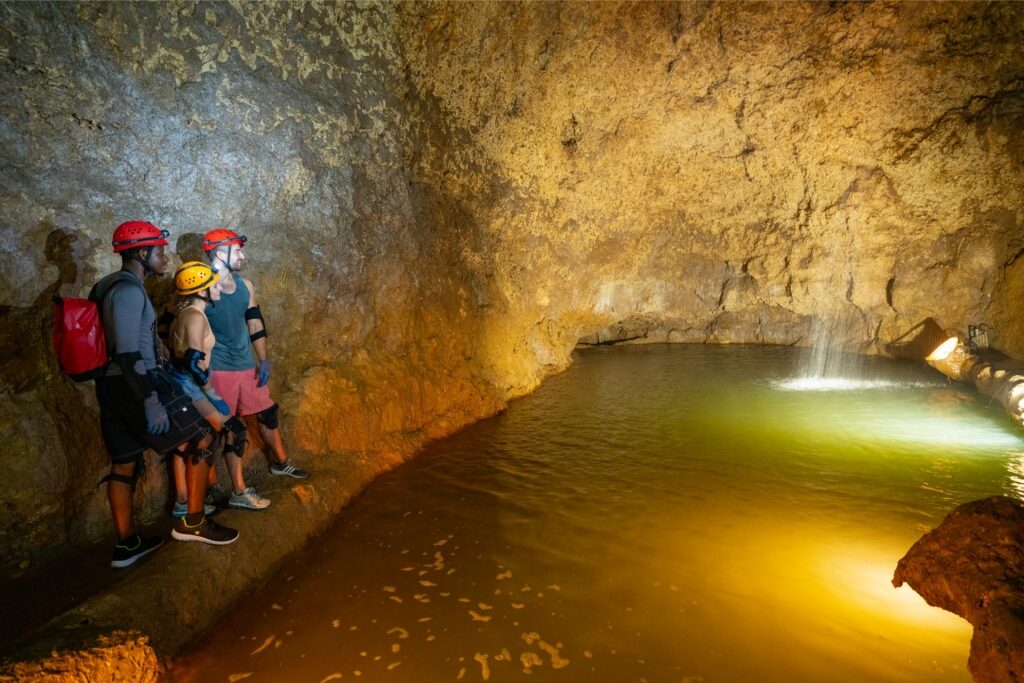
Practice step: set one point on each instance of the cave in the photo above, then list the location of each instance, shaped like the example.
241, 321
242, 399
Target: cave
450, 206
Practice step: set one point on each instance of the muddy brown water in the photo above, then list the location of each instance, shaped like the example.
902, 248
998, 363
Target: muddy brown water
655, 513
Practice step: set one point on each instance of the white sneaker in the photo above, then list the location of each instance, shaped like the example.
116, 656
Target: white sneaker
248, 500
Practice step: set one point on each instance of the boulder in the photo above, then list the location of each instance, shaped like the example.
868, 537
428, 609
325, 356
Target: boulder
973, 566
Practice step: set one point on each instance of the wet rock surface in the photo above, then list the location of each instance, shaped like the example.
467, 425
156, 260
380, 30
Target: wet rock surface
973, 566
718, 172
284, 122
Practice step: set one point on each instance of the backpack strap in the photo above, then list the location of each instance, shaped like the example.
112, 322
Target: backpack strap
100, 291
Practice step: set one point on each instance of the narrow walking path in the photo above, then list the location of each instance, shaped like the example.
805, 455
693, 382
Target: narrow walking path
112, 626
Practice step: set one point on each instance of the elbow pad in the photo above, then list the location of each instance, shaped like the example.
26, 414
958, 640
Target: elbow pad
134, 371
191, 361
255, 314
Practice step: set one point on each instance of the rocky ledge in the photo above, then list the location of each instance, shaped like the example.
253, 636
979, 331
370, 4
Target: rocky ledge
973, 566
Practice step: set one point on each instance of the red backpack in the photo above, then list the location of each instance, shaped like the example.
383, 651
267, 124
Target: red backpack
79, 340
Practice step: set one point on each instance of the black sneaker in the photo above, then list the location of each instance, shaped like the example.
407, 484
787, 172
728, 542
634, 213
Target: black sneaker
207, 531
134, 548
287, 469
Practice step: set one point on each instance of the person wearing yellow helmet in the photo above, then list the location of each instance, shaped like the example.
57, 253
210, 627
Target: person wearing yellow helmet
199, 288
191, 341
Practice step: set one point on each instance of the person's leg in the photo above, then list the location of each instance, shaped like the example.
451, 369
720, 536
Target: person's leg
216, 420
255, 400
272, 438
195, 526
180, 484
119, 495
116, 418
234, 463
197, 467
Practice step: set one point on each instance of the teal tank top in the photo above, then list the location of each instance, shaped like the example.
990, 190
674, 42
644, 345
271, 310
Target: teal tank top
227, 320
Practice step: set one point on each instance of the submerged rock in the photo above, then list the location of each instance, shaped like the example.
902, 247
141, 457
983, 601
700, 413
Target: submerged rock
973, 566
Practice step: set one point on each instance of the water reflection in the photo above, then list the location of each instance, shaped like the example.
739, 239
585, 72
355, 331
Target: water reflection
655, 513
1015, 467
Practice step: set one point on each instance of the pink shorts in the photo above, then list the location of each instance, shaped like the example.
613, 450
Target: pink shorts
238, 389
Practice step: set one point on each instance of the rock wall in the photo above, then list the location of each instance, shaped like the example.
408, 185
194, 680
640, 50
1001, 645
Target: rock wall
283, 121
728, 172
442, 199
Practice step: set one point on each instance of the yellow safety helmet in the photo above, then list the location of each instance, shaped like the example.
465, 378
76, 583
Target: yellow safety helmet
194, 276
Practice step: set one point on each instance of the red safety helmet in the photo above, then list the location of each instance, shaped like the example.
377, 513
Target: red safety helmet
222, 237
135, 234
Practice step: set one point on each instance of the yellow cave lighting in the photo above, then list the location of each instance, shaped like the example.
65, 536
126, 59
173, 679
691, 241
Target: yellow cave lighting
951, 358
944, 349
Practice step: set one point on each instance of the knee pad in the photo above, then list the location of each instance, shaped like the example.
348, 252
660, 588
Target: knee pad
268, 418
129, 479
237, 428
202, 455
120, 479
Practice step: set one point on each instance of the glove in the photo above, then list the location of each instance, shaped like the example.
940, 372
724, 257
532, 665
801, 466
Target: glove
263, 372
157, 421
221, 405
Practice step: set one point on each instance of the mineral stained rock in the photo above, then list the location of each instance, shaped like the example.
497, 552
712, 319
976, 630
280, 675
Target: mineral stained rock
973, 566
443, 198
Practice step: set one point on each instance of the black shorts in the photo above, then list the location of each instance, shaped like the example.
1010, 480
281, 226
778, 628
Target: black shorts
123, 423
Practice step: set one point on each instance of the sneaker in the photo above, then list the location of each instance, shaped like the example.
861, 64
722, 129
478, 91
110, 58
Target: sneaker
248, 500
214, 496
134, 548
287, 469
180, 509
207, 531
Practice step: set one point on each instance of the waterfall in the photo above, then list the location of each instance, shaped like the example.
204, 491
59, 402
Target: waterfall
827, 363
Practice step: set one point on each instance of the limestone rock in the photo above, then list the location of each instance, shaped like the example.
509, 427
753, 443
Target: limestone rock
443, 198
973, 566
740, 168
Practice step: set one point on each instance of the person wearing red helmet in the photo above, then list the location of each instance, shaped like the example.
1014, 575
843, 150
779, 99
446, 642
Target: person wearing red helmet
240, 332
132, 392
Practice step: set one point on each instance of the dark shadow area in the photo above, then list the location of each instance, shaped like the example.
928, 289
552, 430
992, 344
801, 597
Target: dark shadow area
189, 247
57, 580
919, 341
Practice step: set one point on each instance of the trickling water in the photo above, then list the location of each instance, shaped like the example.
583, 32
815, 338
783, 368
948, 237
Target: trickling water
828, 363
658, 513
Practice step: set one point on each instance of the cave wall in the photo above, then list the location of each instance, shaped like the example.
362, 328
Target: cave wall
283, 121
729, 172
442, 199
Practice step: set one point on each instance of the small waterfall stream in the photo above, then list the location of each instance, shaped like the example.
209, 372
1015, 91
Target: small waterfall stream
830, 363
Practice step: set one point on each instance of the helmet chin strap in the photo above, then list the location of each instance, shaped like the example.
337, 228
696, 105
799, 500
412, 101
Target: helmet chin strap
144, 260
227, 262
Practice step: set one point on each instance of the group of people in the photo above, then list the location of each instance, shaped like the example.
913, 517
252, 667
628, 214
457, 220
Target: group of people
186, 398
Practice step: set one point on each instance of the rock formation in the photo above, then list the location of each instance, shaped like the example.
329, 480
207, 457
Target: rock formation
442, 199
973, 566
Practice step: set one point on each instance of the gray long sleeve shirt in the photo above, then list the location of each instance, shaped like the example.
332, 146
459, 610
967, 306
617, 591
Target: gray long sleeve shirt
129, 321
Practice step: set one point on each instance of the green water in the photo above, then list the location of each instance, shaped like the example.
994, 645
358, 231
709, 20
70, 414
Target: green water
655, 513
